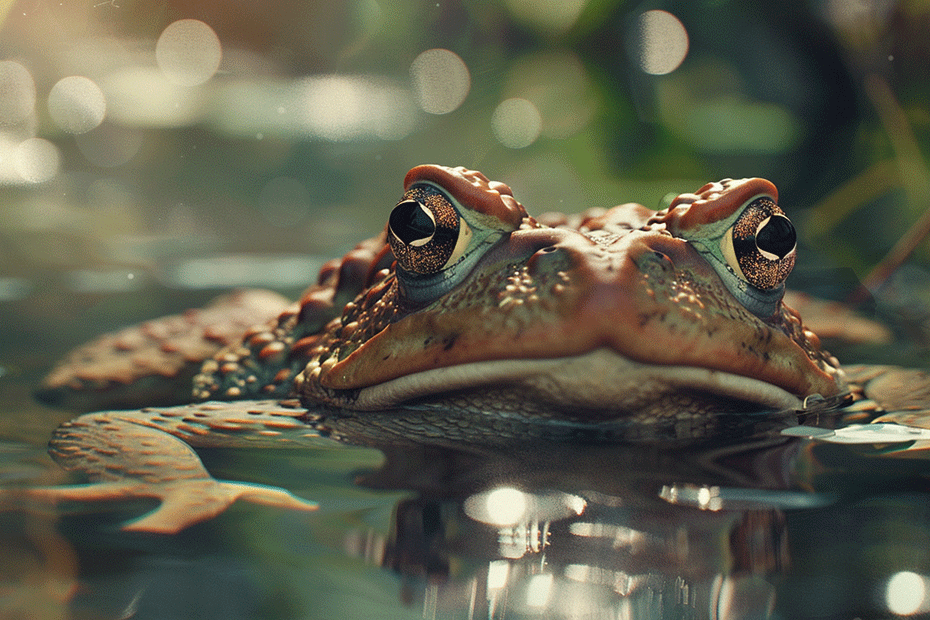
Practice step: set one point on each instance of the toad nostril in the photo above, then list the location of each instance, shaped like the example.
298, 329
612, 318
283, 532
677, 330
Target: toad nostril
549, 249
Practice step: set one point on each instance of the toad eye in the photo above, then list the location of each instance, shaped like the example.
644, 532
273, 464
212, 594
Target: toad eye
760, 246
426, 232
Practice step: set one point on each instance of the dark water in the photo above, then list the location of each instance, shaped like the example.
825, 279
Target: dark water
764, 526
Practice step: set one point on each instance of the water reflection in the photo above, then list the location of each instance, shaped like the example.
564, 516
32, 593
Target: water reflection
765, 526
581, 532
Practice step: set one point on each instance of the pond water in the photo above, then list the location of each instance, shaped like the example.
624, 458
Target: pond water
757, 526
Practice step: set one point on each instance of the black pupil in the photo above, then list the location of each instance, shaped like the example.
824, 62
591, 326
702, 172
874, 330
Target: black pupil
777, 236
410, 221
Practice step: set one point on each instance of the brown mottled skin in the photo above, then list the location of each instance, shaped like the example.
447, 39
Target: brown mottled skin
610, 319
154, 362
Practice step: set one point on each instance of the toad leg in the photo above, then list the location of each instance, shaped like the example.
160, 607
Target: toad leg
149, 453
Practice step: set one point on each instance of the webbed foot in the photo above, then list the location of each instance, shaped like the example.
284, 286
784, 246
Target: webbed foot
182, 502
148, 453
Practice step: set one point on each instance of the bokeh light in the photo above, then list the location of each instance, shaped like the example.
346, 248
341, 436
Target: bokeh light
661, 42
503, 506
36, 160
516, 123
440, 79
188, 52
905, 593
506, 505
77, 104
17, 93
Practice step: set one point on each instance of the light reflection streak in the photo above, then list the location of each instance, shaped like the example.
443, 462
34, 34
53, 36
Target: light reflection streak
517, 541
508, 506
539, 590
622, 536
702, 497
498, 573
734, 596
337, 108
242, 270
142, 96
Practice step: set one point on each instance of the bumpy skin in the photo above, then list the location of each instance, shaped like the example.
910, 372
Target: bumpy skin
620, 281
153, 363
605, 319
264, 362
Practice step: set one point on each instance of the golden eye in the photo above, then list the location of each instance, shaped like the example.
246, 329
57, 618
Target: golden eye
760, 246
426, 232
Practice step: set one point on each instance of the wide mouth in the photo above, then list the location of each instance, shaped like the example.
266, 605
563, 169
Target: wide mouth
602, 382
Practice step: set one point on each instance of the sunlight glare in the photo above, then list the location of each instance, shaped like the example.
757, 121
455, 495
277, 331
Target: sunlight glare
504, 506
